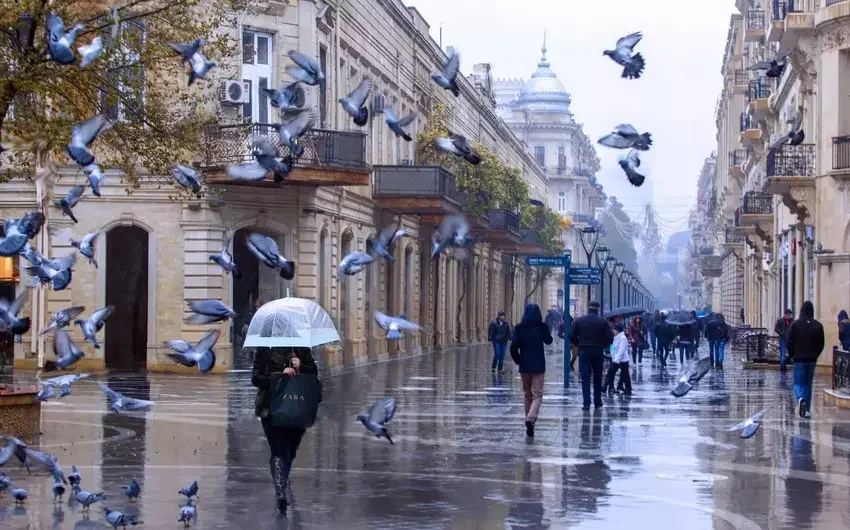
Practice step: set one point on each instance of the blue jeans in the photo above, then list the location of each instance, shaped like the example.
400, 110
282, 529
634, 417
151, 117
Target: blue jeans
590, 362
653, 342
783, 349
804, 375
499, 349
719, 351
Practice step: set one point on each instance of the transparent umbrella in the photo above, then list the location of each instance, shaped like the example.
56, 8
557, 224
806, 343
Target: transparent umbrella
293, 322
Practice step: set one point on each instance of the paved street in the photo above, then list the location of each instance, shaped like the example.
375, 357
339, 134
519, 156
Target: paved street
461, 458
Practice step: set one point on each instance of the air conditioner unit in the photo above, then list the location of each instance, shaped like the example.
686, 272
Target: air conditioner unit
235, 92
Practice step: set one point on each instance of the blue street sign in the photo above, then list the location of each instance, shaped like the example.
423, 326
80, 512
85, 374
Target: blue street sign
585, 271
585, 280
547, 261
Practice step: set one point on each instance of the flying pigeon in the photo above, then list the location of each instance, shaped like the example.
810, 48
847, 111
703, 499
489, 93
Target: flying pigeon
82, 135
201, 354
46, 393
187, 513
749, 426
121, 403
630, 163
64, 382
458, 145
189, 491
187, 50
396, 124
32, 255
622, 54
291, 131
16, 448
209, 311
90, 52
354, 263
9, 320
265, 161
200, 65
49, 462
355, 103
17, 232
775, 67
95, 175
446, 78
133, 490
381, 244
795, 135
266, 250
700, 368
74, 478
452, 232
376, 417
87, 499
86, 246
19, 494
70, 200
224, 259
116, 518
67, 353
58, 491
56, 271
60, 43
400, 233
690, 372
63, 318
307, 71
94, 323
187, 177
290, 98
626, 137
394, 325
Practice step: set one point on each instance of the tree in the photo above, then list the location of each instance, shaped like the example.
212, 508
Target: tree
138, 83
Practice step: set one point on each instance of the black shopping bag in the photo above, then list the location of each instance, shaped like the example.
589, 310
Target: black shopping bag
295, 401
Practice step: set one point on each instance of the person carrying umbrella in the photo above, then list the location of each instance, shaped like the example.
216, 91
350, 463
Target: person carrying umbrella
664, 333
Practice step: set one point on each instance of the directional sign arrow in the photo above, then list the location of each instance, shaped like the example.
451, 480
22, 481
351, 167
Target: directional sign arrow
585, 280
547, 261
586, 271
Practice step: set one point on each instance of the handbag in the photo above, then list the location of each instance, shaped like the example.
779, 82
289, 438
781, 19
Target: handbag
295, 402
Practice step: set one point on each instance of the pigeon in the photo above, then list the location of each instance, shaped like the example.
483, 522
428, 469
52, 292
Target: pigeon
201, 354
4, 482
394, 325
19, 494
395, 124
622, 54
56, 271
749, 426
209, 311
354, 263
82, 135
60, 43
187, 513
95, 175
16, 448
626, 137
187, 50
94, 323
795, 135
189, 491
459, 146
289, 98
381, 244
224, 259
376, 417
400, 233
355, 103
133, 490
86, 246
121, 403
9, 315
90, 52
700, 368
46, 393
32, 255
187, 177
67, 353
774, 67
58, 491
64, 382
63, 318
307, 71
17, 233
446, 78
266, 250
685, 373
49, 462
74, 478
452, 232
291, 131
265, 161
200, 65
630, 163
70, 200
87, 499
116, 518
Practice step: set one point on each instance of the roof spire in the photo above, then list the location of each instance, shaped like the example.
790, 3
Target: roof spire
543, 62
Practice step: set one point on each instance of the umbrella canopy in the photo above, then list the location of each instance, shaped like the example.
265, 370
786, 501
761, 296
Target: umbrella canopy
680, 318
701, 314
293, 322
624, 312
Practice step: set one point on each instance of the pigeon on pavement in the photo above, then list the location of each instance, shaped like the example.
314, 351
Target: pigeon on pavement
74, 478
627, 137
121, 403
459, 146
187, 514
49, 462
189, 491
355, 103
59, 42
749, 426
133, 490
63, 318
397, 125
378, 416
266, 250
5, 482
447, 78
67, 353
623, 54
307, 71
94, 323
19, 494
86, 498
201, 354
116, 518
58, 491
630, 163
209, 311
394, 325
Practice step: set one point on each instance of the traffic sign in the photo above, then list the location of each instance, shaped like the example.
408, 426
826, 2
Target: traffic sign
585, 271
547, 261
585, 280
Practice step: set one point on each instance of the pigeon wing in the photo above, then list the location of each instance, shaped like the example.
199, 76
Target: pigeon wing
62, 344
763, 65
305, 62
247, 171
758, 415
454, 224
633, 158
303, 122
112, 395
208, 307
387, 234
73, 312
102, 314
407, 120
383, 320
207, 341
90, 238
406, 324
383, 411
178, 345
390, 115
452, 66
629, 41
55, 27
87, 131
75, 193
17, 304
615, 141
625, 129
264, 145
361, 258
359, 95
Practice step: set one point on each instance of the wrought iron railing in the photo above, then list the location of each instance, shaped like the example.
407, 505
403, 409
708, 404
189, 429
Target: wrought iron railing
738, 335
841, 152
755, 19
828, 3
505, 220
780, 9
840, 369
805, 6
792, 161
737, 157
746, 122
232, 144
759, 88
415, 181
741, 78
756, 203
754, 343
733, 236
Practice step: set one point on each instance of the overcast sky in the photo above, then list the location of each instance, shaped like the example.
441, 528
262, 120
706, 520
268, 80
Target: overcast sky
674, 99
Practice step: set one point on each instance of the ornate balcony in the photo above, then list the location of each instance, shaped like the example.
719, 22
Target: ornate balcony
799, 21
758, 96
841, 154
503, 231
733, 240
740, 82
331, 158
711, 266
755, 26
737, 158
428, 191
530, 242
833, 11
776, 28
758, 213
791, 174
750, 132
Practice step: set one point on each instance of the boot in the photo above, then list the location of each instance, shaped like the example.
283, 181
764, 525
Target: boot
280, 482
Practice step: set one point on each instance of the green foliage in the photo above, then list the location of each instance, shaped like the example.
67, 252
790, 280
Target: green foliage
547, 223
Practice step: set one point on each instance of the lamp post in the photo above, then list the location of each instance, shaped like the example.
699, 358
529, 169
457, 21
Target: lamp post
609, 268
627, 281
619, 268
602, 254
589, 236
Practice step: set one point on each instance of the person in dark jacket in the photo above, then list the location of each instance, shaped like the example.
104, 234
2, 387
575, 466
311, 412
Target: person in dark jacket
636, 334
553, 319
716, 331
685, 334
651, 323
592, 334
499, 333
273, 367
530, 335
805, 343
781, 328
844, 330
664, 333
697, 331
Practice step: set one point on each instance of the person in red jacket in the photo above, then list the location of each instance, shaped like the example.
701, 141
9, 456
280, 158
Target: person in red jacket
636, 333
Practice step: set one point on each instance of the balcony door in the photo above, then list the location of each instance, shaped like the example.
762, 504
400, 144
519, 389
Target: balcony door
257, 72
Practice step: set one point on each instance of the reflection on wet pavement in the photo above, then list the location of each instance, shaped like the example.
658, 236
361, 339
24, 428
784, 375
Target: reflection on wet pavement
461, 458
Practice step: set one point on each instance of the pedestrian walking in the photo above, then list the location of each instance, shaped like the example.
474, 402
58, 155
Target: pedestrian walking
651, 323
665, 333
781, 328
573, 348
805, 341
716, 331
592, 334
499, 334
699, 326
527, 343
685, 335
553, 319
619, 361
272, 368
636, 334
844, 330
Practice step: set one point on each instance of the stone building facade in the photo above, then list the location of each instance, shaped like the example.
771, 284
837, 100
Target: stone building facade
154, 247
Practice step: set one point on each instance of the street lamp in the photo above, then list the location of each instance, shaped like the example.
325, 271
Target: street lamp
602, 254
619, 268
589, 237
609, 268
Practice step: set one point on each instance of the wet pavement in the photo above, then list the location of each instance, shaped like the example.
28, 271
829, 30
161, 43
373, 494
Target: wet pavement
461, 458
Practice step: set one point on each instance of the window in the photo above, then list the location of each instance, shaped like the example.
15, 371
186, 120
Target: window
562, 158
562, 201
323, 93
124, 92
540, 155
257, 73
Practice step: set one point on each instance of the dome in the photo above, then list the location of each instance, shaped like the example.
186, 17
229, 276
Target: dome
544, 91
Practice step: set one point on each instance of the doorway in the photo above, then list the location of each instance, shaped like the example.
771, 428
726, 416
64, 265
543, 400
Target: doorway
126, 333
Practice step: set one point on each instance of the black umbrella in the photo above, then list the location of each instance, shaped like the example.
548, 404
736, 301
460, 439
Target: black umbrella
624, 312
680, 318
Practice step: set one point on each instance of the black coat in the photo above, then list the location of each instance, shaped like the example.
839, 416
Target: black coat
267, 372
665, 333
806, 339
499, 331
591, 333
527, 343
716, 329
